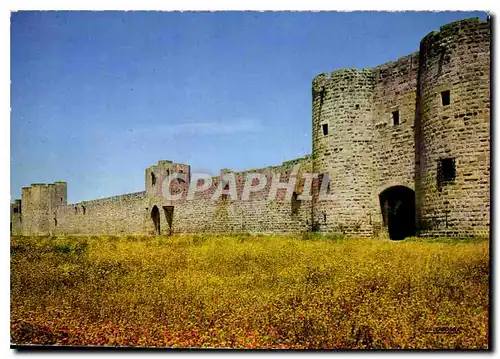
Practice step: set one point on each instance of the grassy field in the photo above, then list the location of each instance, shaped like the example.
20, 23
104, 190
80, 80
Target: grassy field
246, 291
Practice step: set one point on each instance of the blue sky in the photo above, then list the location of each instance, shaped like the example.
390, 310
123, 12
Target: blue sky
96, 97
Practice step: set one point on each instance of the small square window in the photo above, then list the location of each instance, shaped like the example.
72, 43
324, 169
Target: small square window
395, 118
446, 170
325, 128
445, 97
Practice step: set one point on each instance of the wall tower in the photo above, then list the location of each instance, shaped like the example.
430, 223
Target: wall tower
453, 166
342, 148
39, 206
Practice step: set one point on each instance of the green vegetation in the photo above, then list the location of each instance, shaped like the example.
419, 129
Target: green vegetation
246, 291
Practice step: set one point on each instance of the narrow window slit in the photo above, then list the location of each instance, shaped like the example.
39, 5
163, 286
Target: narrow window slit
395, 118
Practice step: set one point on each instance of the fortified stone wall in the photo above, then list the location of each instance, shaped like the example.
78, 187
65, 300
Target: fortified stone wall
125, 214
406, 147
227, 214
132, 213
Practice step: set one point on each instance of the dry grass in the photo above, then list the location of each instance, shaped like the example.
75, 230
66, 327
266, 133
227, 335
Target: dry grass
245, 291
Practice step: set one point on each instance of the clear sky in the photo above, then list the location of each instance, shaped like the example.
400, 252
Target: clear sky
96, 97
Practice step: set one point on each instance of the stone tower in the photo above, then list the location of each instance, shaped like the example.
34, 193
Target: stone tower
159, 208
453, 167
40, 203
412, 135
342, 148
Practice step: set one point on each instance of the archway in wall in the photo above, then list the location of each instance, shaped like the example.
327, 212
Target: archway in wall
398, 211
155, 216
169, 215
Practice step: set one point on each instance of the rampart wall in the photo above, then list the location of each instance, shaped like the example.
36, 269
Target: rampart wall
405, 146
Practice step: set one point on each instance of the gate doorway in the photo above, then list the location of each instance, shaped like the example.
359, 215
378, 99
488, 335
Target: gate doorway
169, 215
155, 216
398, 211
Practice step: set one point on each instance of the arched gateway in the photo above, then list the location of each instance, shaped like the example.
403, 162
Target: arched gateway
398, 211
155, 216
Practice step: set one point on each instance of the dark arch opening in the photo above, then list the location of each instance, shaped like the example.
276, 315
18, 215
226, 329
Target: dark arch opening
155, 216
169, 216
398, 211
